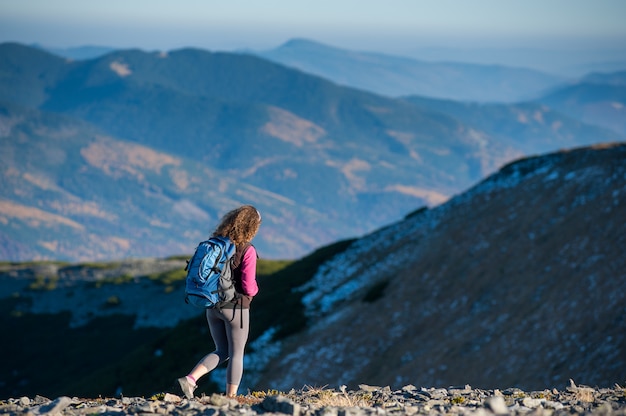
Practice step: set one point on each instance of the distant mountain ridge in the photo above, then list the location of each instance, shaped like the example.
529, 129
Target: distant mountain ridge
169, 141
599, 99
612, 78
79, 52
531, 124
398, 76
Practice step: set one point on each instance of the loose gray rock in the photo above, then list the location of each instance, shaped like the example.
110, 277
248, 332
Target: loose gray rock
280, 404
372, 401
497, 405
54, 407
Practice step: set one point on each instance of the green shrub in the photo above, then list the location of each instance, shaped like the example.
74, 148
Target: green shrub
112, 301
170, 277
268, 267
44, 283
117, 280
101, 266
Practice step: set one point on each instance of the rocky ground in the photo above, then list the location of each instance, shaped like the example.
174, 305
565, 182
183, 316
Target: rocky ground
368, 400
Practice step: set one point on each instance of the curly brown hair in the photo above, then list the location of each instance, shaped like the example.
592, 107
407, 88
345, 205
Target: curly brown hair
240, 225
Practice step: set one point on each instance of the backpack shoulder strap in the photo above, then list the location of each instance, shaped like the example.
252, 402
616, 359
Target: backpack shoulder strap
241, 250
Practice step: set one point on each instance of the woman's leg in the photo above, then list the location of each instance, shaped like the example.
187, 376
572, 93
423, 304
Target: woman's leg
237, 329
229, 330
231, 390
219, 333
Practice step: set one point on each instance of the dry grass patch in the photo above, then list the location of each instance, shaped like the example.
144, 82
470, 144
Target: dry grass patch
314, 397
585, 395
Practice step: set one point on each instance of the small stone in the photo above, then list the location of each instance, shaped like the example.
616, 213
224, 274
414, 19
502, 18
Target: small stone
553, 405
497, 405
410, 410
439, 393
54, 407
41, 400
280, 404
532, 403
350, 411
193, 405
512, 391
171, 398
326, 411
24, 401
219, 400
146, 407
368, 388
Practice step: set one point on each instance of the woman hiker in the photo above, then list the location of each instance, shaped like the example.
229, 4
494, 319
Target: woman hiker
229, 325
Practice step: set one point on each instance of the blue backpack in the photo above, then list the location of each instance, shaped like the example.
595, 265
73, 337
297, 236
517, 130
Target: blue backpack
209, 280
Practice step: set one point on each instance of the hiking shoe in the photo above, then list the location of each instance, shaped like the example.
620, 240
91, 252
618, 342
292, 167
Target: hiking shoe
187, 387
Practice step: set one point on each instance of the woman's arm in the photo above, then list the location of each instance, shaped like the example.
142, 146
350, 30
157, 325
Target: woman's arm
248, 272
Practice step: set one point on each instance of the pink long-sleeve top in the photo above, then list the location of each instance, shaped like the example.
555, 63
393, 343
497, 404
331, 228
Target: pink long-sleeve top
247, 269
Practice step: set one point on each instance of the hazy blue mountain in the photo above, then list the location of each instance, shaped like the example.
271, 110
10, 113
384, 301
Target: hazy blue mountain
597, 99
600, 66
570, 63
607, 78
531, 127
72, 192
27, 73
397, 76
78, 53
326, 162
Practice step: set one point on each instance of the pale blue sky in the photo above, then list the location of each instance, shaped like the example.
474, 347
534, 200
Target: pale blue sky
392, 26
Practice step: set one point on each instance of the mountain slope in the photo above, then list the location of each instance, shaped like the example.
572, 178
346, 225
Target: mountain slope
398, 76
309, 113
517, 282
72, 192
26, 74
285, 140
531, 127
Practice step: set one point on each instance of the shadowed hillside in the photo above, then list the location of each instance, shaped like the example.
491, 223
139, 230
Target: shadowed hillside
517, 282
